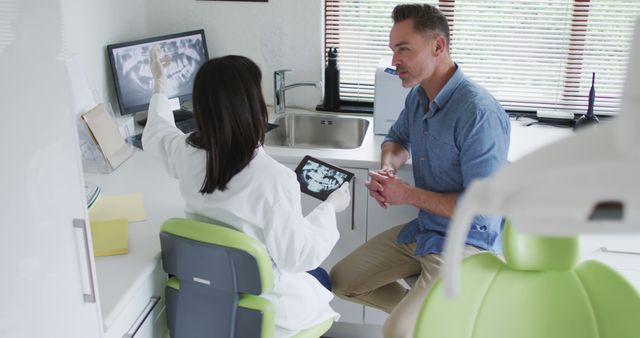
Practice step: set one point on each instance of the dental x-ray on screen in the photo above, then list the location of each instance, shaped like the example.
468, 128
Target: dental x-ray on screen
319, 179
182, 53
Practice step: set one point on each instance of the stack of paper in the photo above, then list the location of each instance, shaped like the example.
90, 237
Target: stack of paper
110, 237
110, 217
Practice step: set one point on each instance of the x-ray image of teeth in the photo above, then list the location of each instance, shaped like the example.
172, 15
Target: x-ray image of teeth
182, 58
319, 178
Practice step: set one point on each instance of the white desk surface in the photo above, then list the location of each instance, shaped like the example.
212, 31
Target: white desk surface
120, 276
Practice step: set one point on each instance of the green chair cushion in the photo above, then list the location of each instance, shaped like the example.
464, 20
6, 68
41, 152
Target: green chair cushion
539, 253
614, 301
498, 301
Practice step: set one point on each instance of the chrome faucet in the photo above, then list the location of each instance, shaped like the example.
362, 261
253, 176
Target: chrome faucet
279, 88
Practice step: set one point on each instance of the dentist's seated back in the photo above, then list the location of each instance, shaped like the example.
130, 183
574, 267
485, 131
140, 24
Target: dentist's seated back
225, 174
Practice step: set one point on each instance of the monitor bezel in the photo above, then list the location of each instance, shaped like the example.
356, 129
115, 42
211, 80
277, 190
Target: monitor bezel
114, 71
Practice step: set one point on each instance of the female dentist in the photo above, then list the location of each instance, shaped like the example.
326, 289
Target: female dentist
224, 174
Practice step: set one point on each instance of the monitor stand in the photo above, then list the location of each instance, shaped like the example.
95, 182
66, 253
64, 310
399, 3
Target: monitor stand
178, 115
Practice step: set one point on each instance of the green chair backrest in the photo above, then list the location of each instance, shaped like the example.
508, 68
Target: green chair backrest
538, 292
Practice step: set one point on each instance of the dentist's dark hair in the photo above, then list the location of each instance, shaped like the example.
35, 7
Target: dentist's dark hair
231, 116
426, 18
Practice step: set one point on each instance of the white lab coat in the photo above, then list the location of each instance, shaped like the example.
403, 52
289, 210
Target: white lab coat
263, 201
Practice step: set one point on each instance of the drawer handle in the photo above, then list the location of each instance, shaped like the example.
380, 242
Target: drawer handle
353, 203
620, 252
79, 223
142, 317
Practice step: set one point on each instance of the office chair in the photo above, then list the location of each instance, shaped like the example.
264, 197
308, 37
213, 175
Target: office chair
218, 275
537, 292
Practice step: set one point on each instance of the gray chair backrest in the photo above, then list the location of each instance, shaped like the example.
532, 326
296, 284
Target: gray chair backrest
211, 278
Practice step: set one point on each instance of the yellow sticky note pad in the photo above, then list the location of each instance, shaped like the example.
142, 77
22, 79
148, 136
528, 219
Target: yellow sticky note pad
110, 237
127, 206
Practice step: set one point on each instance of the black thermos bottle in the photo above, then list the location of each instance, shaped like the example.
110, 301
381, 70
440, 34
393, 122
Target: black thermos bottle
332, 81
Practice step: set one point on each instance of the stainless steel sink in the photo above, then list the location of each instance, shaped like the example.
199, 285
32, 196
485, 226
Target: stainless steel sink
318, 131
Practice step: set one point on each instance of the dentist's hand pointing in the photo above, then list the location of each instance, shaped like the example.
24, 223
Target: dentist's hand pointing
157, 70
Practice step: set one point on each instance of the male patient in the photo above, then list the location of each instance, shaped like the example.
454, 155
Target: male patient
455, 132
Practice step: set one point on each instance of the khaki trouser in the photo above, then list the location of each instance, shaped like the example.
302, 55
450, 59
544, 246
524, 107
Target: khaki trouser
370, 275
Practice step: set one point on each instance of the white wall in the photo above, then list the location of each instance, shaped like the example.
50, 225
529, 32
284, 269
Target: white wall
277, 34
90, 25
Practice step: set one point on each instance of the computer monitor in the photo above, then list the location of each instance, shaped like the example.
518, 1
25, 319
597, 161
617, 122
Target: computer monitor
132, 76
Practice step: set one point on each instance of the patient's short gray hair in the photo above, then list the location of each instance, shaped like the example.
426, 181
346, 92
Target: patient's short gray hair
426, 18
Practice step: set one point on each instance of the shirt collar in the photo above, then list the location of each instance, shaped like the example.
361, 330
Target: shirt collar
445, 93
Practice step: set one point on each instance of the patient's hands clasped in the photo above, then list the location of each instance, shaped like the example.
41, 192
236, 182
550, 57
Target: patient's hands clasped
386, 188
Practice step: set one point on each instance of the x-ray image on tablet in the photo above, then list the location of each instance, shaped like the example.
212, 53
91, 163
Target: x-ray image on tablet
319, 179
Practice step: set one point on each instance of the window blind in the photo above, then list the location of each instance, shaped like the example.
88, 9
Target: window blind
529, 54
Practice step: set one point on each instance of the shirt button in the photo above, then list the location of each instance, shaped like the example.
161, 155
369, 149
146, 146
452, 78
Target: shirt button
422, 158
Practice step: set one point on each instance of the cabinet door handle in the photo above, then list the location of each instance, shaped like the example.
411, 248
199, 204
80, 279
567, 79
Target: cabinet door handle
353, 203
624, 252
153, 301
79, 223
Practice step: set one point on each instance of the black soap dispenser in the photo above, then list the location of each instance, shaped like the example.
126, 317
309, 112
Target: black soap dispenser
332, 81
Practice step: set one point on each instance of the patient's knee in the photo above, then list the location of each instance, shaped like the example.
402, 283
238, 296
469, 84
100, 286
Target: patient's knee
342, 281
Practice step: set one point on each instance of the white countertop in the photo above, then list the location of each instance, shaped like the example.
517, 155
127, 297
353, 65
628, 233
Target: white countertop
120, 276
524, 140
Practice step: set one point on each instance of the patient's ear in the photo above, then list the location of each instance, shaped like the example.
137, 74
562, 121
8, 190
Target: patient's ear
439, 45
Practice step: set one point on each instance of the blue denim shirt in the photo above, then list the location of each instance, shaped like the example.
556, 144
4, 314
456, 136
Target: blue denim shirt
461, 135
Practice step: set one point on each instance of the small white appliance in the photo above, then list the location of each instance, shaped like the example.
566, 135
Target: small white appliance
389, 96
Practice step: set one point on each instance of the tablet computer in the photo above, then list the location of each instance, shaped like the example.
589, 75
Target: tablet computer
319, 179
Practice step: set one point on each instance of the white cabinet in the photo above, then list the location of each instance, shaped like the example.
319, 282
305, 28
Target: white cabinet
352, 227
48, 285
52, 286
625, 244
47, 279
625, 263
143, 313
620, 252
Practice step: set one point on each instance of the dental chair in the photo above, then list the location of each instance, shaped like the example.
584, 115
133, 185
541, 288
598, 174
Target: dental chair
217, 275
538, 291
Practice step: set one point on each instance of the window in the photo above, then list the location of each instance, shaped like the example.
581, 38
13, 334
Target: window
529, 54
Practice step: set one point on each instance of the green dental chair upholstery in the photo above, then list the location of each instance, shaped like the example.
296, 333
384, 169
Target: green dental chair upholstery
218, 275
537, 292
